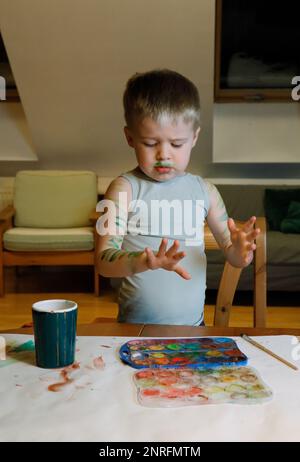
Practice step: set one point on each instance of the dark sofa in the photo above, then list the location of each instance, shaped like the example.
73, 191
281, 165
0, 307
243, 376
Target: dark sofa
283, 249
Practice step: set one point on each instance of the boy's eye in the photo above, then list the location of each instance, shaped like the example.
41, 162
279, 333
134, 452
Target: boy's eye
151, 145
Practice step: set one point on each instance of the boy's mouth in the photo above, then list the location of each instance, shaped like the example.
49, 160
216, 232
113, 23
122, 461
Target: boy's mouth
163, 167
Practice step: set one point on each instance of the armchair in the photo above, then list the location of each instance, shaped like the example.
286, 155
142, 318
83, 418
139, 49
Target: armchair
52, 221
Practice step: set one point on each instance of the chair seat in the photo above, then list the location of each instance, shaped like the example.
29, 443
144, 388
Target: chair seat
43, 239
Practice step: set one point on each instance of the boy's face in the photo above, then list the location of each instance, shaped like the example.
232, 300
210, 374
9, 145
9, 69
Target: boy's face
162, 149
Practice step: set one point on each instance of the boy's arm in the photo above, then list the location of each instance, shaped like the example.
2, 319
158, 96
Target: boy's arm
237, 244
112, 260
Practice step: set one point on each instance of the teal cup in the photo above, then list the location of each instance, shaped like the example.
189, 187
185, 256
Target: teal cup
54, 324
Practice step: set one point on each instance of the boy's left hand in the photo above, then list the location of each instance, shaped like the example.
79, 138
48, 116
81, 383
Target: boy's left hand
243, 240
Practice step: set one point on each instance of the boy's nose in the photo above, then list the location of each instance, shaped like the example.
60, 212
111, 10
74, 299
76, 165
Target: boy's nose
162, 154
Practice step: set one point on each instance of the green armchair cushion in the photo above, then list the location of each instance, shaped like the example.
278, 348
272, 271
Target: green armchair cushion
35, 239
54, 199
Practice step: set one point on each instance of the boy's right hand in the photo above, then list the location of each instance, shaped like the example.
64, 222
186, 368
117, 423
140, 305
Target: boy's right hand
167, 260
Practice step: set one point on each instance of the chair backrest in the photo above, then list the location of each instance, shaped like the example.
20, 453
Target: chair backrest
54, 199
231, 275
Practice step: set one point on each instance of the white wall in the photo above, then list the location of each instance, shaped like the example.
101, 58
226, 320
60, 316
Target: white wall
256, 132
71, 59
15, 137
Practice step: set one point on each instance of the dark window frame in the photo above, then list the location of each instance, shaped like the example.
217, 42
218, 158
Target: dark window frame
222, 95
12, 94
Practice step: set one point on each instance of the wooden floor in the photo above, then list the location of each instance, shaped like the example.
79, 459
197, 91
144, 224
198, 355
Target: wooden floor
15, 310
30, 285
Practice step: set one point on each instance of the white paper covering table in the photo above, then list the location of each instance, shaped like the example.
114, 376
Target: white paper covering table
101, 404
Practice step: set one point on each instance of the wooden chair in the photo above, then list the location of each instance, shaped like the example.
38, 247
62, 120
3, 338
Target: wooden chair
42, 182
231, 275
230, 278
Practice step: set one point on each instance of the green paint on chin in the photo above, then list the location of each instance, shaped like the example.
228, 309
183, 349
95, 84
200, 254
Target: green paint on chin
163, 164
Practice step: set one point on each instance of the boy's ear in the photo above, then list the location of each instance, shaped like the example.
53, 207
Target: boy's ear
196, 134
129, 137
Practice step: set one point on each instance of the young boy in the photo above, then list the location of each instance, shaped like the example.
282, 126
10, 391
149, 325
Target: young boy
162, 112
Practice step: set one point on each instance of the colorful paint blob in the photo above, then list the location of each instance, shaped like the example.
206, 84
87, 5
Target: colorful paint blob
174, 387
190, 352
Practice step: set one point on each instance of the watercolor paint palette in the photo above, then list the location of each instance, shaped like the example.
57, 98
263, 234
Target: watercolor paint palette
201, 352
183, 387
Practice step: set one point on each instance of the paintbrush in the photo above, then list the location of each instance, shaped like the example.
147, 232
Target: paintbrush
269, 352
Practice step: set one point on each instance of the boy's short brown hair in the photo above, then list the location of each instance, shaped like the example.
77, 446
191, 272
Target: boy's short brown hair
160, 93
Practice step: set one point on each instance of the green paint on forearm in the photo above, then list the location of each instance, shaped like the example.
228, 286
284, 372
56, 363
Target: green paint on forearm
223, 217
112, 255
135, 254
120, 222
115, 242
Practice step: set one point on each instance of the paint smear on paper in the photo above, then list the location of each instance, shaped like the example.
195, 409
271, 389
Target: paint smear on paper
16, 353
27, 346
65, 378
99, 363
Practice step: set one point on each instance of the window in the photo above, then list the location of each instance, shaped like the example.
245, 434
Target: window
6, 73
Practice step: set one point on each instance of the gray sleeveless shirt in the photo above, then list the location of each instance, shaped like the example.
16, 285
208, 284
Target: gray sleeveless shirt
161, 296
